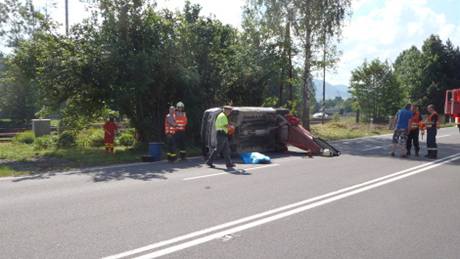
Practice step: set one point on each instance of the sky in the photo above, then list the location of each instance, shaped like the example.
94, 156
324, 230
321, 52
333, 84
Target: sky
377, 28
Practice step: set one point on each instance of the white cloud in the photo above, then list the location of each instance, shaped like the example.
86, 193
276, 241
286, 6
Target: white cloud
386, 31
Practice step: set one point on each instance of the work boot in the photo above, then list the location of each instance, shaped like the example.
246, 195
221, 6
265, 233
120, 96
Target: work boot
210, 165
430, 154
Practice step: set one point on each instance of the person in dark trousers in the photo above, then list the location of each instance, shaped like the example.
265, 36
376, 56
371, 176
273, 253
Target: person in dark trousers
170, 131
432, 126
223, 145
416, 124
181, 121
401, 123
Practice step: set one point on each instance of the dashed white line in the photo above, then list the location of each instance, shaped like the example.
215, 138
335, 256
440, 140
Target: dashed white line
229, 172
443, 136
372, 148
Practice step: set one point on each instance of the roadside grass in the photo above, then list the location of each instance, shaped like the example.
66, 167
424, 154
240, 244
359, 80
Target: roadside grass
7, 171
347, 128
28, 160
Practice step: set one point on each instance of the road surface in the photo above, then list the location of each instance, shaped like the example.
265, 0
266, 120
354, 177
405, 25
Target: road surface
363, 204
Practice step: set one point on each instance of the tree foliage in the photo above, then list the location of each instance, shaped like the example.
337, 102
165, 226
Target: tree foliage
427, 73
375, 89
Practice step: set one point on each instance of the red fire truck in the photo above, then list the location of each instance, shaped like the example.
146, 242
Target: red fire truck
452, 105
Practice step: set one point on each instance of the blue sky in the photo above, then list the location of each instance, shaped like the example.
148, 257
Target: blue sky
377, 28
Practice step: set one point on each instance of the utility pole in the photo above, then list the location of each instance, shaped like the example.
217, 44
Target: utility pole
67, 17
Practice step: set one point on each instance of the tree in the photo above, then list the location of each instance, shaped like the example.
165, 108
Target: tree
312, 21
428, 73
409, 71
375, 90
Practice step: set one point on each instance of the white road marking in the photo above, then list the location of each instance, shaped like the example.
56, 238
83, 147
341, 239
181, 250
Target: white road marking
280, 209
261, 167
288, 213
372, 148
443, 136
236, 170
203, 176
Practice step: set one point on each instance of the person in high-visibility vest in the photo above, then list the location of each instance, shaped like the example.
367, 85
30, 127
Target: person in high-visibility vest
110, 130
223, 146
415, 127
170, 131
432, 125
181, 126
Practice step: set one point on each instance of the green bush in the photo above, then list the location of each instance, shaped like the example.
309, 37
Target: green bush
127, 139
45, 142
92, 137
26, 137
66, 139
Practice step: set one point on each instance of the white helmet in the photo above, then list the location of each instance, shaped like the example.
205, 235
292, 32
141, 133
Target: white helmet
180, 105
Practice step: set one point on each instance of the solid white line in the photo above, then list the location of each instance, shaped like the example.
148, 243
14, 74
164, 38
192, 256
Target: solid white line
236, 170
267, 213
372, 148
285, 214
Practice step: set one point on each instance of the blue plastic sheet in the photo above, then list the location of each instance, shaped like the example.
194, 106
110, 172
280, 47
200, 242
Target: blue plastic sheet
255, 158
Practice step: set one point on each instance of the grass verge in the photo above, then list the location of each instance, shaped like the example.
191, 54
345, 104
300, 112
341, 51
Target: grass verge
348, 129
6, 171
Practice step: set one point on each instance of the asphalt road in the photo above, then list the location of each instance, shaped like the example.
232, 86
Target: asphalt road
362, 204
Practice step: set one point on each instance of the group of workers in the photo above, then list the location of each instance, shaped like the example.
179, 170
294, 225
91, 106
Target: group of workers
409, 124
175, 126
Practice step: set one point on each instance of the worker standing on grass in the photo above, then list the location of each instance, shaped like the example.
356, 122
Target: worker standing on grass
181, 121
416, 124
432, 126
222, 125
402, 120
170, 131
110, 130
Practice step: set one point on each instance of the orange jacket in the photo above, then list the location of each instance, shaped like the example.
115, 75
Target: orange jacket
181, 120
416, 122
433, 121
169, 128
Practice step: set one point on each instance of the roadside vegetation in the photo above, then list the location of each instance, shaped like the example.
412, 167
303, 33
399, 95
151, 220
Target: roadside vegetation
347, 128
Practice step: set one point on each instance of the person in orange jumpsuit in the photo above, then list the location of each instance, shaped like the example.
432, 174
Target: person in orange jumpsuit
110, 129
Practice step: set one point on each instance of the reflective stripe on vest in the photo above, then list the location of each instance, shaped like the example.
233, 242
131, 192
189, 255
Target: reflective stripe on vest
181, 121
415, 121
429, 123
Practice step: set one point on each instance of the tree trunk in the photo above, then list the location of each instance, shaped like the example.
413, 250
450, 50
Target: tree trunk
280, 97
307, 80
289, 56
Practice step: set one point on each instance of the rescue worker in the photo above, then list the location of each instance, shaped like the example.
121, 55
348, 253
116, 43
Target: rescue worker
416, 126
170, 131
110, 130
432, 126
402, 119
181, 121
222, 125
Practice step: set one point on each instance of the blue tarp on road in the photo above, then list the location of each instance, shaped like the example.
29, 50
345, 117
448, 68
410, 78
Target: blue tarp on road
255, 158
